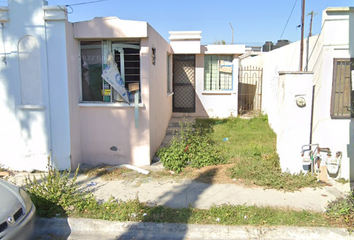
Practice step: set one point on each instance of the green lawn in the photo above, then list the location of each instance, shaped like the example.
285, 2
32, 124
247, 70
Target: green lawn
250, 144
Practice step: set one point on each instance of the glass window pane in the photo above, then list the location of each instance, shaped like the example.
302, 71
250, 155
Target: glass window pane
91, 70
214, 79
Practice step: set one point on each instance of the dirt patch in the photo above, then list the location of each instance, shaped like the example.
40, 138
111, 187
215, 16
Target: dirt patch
215, 174
210, 174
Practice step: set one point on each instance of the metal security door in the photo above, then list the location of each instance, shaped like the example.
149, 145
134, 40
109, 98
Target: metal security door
183, 83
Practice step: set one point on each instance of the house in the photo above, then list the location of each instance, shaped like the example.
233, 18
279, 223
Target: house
315, 106
55, 104
58, 100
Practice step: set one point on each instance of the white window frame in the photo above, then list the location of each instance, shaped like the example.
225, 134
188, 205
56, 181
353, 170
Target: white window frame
107, 47
218, 74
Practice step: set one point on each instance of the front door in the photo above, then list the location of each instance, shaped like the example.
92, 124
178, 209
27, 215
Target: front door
184, 83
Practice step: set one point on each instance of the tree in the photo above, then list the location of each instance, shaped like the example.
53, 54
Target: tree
219, 42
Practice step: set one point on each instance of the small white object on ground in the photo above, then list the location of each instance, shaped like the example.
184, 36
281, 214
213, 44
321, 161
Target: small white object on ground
129, 167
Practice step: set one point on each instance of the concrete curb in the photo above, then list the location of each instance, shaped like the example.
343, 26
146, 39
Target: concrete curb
78, 228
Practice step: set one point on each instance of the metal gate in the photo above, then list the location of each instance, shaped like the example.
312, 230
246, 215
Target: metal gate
183, 83
250, 90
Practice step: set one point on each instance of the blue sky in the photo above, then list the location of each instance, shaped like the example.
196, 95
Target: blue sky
254, 21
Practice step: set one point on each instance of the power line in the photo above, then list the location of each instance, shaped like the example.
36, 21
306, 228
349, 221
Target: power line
83, 3
66, 11
291, 13
78, 4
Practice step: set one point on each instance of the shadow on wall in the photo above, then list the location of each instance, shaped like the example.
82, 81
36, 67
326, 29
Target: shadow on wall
24, 119
176, 199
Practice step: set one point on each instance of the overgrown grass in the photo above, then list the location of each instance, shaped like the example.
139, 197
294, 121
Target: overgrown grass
251, 145
57, 195
223, 215
342, 210
190, 147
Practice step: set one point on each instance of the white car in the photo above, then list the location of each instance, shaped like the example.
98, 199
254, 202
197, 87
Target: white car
17, 212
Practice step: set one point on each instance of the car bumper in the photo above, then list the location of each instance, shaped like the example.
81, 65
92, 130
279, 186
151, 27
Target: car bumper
24, 229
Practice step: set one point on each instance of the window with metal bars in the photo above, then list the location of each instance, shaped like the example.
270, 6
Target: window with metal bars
93, 59
341, 103
218, 72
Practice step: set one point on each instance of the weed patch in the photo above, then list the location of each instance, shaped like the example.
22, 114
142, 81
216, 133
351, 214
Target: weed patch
342, 210
56, 193
192, 148
251, 147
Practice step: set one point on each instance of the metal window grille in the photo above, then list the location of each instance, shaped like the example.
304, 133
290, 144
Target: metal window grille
341, 88
93, 58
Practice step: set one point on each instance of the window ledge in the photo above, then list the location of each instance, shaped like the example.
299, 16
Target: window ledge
109, 105
31, 107
221, 92
169, 94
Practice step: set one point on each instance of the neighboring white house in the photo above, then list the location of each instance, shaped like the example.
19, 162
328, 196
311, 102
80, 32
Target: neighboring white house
328, 83
34, 94
55, 105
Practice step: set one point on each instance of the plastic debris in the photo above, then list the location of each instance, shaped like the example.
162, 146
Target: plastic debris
91, 184
145, 214
218, 219
226, 139
133, 215
245, 217
172, 172
234, 179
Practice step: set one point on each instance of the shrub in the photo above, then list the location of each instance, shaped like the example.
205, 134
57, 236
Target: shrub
192, 148
57, 193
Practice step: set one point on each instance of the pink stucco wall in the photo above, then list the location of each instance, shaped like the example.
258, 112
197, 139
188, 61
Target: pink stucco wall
105, 132
160, 102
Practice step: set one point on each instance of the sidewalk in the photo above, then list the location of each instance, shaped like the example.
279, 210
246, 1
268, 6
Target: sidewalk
183, 193
178, 194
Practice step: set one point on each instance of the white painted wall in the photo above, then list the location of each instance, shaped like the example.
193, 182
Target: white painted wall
28, 133
294, 121
335, 41
58, 92
185, 42
223, 103
220, 104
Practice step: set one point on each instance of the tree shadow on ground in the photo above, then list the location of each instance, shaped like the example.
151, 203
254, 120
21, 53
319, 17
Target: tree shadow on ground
178, 229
